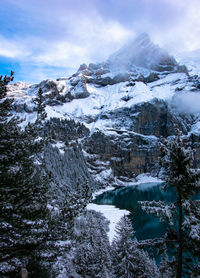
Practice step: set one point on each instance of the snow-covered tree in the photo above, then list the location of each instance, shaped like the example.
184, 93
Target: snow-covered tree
5, 103
40, 106
92, 253
129, 260
65, 205
4, 81
23, 187
183, 215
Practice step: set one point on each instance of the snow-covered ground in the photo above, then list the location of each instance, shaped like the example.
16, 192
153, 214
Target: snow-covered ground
112, 213
107, 98
146, 178
104, 100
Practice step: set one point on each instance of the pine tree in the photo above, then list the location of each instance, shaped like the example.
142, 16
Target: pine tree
65, 205
40, 106
5, 103
129, 260
4, 81
104, 265
92, 255
183, 215
23, 188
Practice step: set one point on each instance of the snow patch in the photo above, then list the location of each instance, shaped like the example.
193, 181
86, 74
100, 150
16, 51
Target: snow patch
103, 175
146, 178
26, 118
52, 113
111, 97
112, 213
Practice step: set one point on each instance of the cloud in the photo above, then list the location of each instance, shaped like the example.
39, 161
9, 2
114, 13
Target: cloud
50, 57
9, 48
187, 102
99, 37
92, 40
65, 33
60, 54
176, 25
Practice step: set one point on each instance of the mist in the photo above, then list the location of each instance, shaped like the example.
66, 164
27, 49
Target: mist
187, 102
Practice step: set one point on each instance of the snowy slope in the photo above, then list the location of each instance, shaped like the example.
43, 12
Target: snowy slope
111, 97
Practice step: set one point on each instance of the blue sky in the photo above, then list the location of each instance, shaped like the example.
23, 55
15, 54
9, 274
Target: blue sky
42, 39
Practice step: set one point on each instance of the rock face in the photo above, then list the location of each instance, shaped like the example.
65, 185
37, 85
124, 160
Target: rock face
128, 154
149, 118
53, 91
134, 150
80, 89
156, 118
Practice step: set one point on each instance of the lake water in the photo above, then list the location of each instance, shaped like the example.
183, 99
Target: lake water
145, 225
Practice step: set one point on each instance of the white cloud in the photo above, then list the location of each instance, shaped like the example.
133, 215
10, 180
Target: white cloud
97, 36
60, 54
9, 48
187, 102
71, 32
183, 33
92, 40
84, 40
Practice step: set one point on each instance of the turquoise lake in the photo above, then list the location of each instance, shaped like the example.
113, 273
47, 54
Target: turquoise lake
145, 225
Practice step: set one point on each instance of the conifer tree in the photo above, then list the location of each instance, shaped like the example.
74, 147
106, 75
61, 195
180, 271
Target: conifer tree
5, 103
129, 261
4, 81
183, 215
66, 207
23, 188
40, 106
92, 255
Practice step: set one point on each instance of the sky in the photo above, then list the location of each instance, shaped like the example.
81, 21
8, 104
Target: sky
42, 39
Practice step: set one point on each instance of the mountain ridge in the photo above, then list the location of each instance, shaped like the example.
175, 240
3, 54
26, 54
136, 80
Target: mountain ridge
125, 110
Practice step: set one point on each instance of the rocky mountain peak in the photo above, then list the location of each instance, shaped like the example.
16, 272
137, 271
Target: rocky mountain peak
138, 60
142, 52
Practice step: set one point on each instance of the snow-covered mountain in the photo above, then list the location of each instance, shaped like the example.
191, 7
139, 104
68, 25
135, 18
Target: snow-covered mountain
126, 104
143, 53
